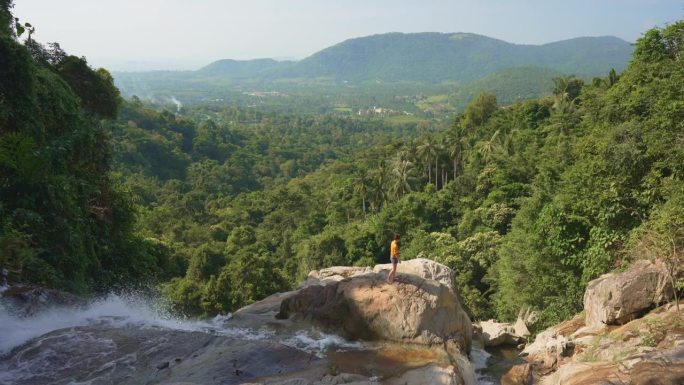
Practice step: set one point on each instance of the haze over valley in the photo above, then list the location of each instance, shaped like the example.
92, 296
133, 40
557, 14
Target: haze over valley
396, 69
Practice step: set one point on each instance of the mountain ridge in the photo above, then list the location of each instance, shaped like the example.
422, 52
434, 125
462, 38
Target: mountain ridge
419, 61
433, 57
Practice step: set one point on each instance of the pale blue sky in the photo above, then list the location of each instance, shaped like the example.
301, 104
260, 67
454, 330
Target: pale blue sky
187, 34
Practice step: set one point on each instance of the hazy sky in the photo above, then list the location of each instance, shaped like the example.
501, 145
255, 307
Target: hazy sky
187, 34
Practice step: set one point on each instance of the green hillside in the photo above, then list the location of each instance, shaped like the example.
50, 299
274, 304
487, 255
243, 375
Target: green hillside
419, 60
437, 57
241, 68
589, 56
509, 86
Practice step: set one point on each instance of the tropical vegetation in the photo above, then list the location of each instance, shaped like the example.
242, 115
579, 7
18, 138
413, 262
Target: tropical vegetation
220, 207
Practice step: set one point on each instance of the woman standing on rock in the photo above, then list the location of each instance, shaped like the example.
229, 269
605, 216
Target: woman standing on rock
394, 257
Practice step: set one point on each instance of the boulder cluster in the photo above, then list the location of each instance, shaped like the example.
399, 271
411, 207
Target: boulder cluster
627, 334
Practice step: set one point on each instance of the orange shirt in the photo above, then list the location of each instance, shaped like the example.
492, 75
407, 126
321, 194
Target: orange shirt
394, 249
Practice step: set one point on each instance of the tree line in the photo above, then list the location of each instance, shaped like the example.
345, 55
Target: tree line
224, 206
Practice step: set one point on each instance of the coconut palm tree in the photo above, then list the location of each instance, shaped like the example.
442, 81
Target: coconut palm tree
427, 151
402, 170
489, 147
362, 185
379, 179
452, 142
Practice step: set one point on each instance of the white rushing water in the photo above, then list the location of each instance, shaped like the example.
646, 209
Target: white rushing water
478, 359
117, 310
318, 343
124, 311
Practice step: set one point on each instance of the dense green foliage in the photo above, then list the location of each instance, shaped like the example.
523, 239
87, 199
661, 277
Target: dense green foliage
527, 202
509, 85
63, 223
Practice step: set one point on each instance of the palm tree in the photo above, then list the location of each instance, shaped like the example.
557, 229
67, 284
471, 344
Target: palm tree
427, 150
438, 154
612, 77
378, 183
452, 141
489, 147
402, 170
361, 185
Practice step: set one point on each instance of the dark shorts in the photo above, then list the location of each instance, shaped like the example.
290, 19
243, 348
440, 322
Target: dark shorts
394, 260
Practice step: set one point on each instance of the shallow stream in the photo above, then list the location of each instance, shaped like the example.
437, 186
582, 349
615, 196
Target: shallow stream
492, 363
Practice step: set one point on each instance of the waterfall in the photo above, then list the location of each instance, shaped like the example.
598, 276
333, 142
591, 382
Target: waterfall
116, 310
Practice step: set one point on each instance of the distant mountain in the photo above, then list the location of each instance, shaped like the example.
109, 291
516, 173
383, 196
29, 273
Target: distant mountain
589, 56
241, 68
460, 57
420, 59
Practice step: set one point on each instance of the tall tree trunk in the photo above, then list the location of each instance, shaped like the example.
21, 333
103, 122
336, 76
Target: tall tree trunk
363, 203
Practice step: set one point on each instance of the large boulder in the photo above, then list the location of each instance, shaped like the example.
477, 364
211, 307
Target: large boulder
585, 373
647, 350
499, 333
615, 299
431, 374
554, 346
521, 374
412, 309
660, 367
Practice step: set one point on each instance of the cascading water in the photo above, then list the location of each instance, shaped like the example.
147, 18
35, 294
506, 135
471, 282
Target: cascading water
110, 338
118, 311
479, 358
31, 347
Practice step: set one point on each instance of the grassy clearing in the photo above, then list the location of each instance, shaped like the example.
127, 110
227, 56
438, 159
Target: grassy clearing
404, 119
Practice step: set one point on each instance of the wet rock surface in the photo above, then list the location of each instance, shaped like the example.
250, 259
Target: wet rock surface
660, 367
102, 355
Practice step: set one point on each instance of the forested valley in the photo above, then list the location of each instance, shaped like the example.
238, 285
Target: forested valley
217, 207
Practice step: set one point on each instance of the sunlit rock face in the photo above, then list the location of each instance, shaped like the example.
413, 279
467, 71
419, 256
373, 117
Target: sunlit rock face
412, 309
499, 333
420, 267
615, 299
623, 337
